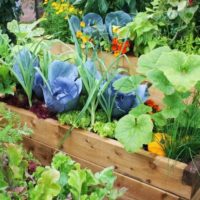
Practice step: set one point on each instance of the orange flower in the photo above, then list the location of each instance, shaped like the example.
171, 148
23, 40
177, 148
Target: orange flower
119, 46
114, 48
150, 103
153, 105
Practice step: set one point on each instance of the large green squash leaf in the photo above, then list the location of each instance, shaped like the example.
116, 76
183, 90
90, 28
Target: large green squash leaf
174, 105
158, 79
148, 61
133, 132
182, 71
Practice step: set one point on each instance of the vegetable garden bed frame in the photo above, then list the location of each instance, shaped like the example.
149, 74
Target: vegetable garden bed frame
145, 175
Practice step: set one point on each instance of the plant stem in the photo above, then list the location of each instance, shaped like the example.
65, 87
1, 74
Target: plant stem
30, 102
92, 112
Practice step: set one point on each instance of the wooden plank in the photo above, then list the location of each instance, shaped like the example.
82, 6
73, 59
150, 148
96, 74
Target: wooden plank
148, 168
196, 196
130, 63
136, 189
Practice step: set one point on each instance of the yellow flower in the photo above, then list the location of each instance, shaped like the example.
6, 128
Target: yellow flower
157, 145
79, 34
53, 4
45, 1
62, 1
71, 9
84, 39
116, 53
115, 29
82, 24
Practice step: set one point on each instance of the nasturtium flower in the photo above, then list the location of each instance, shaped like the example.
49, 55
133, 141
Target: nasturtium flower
65, 87
85, 39
115, 29
82, 24
124, 102
156, 146
79, 34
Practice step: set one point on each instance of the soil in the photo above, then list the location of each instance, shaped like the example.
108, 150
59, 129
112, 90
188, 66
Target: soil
20, 100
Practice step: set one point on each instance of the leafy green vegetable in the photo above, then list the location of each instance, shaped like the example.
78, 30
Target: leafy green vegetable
143, 32
25, 32
12, 130
133, 131
141, 109
128, 84
105, 129
147, 62
47, 185
70, 118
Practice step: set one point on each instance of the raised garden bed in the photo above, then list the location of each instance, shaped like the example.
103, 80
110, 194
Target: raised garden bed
145, 175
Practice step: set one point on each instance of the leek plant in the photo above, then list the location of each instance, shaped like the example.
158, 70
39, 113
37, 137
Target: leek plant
183, 133
93, 81
183, 139
24, 70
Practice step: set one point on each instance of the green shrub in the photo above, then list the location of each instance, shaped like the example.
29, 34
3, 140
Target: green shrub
8, 11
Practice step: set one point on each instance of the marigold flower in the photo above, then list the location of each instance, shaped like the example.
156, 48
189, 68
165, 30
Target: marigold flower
53, 4
71, 9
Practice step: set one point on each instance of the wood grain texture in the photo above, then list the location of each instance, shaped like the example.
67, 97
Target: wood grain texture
156, 171
135, 188
197, 195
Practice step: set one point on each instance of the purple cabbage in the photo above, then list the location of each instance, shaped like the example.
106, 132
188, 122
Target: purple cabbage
124, 102
65, 87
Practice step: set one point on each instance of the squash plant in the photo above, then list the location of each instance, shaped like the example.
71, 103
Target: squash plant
176, 74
